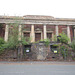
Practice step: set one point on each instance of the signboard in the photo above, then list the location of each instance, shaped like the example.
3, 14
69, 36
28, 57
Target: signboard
55, 51
27, 51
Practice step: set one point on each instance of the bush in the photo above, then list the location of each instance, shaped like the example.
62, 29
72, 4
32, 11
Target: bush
46, 41
55, 38
12, 42
56, 45
1, 41
1, 45
64, 51
26, 40
64, 38
73, 45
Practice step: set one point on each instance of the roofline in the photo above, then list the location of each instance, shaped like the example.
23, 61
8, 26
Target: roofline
23, 18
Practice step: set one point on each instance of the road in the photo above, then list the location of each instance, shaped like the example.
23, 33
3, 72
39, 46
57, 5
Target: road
37, 68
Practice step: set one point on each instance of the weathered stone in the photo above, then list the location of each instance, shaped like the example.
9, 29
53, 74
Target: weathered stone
45, 35
20, 33
32, 34
68, 34
57, 32
6, 33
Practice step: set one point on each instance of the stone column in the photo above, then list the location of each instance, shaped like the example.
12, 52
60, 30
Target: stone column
32, 34
45, 34
20, 27
57, 33
68, 33
6, 33
52, 36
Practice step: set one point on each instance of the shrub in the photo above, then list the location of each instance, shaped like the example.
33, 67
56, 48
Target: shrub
46, 41
26, 40
73, 45
55, 38
1, 45
1, 41
64, 51
64, 38
12, 42
56, 45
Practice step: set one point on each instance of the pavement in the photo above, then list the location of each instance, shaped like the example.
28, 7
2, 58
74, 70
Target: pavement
37, 68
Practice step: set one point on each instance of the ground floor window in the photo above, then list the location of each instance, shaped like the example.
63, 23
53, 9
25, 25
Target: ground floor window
26, 34
37, 36
49, 36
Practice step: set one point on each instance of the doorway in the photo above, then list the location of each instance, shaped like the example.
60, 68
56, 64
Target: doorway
37, 36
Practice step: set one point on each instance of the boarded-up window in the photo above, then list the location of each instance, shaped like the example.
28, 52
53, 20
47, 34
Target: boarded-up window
49, 36
26, 34
37, 36
2, 30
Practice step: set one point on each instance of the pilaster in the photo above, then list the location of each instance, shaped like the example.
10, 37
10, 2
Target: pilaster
68, 33
57, 33
45, 35
20, 28
32, 34
6, 33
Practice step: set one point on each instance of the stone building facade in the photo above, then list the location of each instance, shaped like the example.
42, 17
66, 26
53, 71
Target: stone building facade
38, 27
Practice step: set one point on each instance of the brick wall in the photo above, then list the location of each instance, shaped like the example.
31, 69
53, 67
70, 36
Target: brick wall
2, 31
26, 27
51, 28
62, 28
71, 32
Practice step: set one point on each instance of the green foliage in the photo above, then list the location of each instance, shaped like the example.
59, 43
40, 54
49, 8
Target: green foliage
64, 51
2, 45
55, 38
26, 40
63, 38
1, 41
13, 37
73, 45
56, 45
46, 41
12, 43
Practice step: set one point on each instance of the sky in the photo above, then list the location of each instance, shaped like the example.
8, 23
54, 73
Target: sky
55, 8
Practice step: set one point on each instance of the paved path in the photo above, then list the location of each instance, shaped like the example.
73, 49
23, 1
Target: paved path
37, 68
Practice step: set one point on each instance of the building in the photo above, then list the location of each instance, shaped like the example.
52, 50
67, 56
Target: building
38, 27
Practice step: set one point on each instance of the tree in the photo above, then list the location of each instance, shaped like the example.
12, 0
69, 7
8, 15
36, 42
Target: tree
73, 45
13, 36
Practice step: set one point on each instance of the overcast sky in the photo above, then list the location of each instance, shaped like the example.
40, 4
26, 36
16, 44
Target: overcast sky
56, 8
